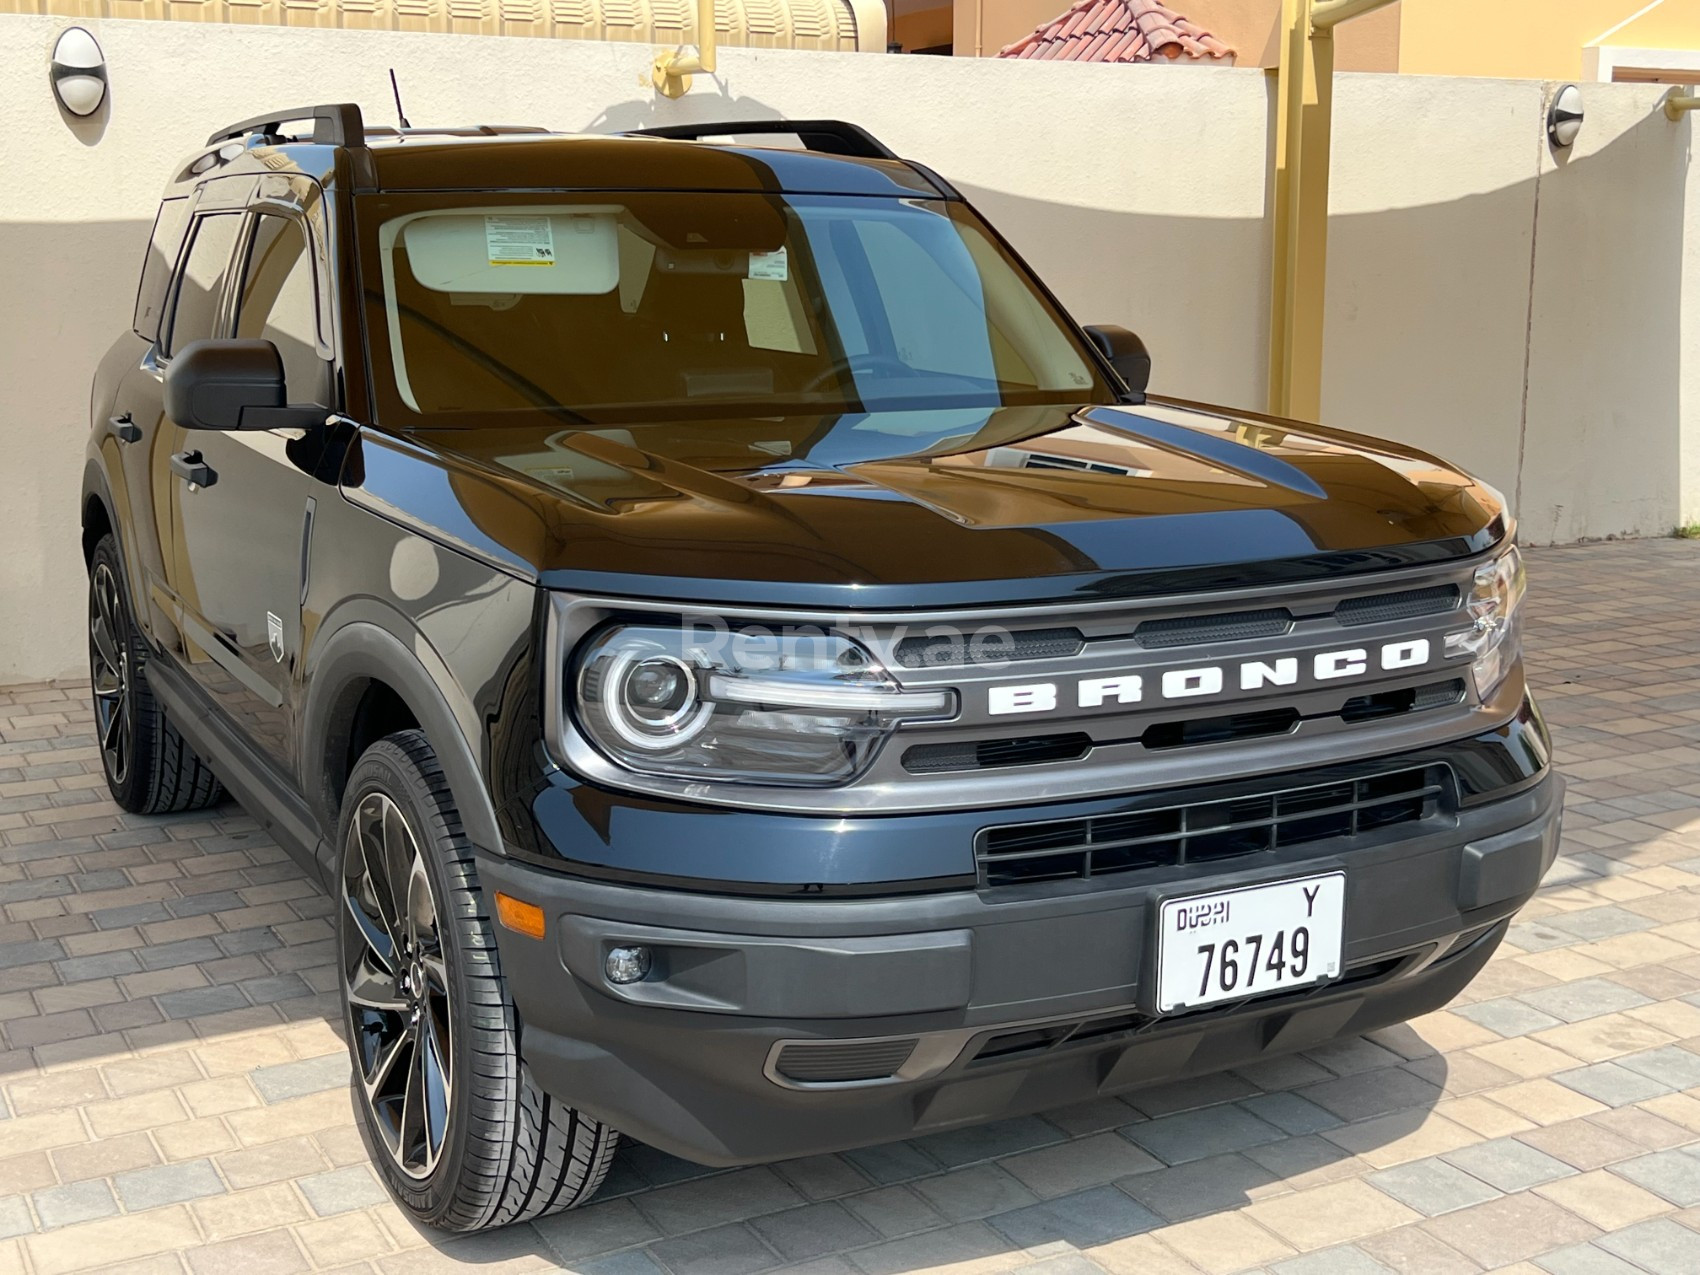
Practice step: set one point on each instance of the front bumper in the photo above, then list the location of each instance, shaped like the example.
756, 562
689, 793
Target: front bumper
975, 1005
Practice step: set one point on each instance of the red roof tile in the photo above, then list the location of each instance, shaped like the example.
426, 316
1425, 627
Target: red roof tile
1119, 31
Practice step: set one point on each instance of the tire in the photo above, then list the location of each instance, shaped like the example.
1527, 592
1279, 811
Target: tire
458, 1130
150, 768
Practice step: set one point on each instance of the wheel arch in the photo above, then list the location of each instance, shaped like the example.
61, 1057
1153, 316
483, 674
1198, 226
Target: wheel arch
374, 674
96, 511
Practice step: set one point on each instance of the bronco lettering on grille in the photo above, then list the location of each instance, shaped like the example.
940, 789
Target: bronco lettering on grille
1206, 680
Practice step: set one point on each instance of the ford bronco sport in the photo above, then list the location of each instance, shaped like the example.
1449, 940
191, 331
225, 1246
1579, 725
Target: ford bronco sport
752, 672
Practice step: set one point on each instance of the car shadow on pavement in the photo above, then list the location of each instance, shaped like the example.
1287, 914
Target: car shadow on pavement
1097, 1179
169, 1007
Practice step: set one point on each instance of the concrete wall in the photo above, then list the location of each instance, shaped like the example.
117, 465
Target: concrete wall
1519, 315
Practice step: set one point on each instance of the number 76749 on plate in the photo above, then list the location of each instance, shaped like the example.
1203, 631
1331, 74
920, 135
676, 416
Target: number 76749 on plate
1250, 941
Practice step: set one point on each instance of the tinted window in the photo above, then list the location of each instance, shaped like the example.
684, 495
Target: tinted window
280, 304
157, 265
199, 284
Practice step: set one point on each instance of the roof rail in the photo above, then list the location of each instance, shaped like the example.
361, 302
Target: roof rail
339, 124
831, 137
457, 130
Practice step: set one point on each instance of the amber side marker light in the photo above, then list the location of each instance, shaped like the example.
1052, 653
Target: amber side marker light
519, 916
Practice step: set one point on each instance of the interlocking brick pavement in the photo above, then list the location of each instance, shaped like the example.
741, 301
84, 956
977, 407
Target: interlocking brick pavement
173, 1092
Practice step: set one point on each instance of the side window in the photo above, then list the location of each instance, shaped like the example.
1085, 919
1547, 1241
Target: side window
280, 303
161, 259
201, 279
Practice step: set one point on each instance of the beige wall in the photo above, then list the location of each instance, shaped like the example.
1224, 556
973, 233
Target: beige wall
1518, 313
1138, 193
1540, 39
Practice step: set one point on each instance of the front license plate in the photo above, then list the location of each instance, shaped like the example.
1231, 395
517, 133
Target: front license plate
1231, 944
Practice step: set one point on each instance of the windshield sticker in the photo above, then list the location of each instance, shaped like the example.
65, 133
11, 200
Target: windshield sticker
519, 241
770, 265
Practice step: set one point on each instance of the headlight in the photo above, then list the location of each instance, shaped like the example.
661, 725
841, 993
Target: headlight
757, 707
1492, 642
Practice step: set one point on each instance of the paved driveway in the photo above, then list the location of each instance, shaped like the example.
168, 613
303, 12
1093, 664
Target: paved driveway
175, 1096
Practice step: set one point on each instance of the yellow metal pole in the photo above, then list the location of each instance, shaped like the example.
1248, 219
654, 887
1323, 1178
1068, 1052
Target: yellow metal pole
1678, 102
1299, 260
1326, 14
1301, 190
672, 70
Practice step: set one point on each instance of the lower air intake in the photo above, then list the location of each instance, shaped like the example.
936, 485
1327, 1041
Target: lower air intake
833, 1062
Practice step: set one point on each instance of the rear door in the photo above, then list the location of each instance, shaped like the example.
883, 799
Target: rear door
244, 536
181, 289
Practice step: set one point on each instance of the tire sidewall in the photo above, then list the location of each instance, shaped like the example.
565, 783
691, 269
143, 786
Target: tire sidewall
133, 790
386, 768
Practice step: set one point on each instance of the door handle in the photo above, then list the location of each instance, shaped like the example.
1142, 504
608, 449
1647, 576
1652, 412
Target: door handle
192, 469
125, 429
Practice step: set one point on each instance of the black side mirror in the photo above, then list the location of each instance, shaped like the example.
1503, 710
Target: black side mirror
232, 385
1126, 353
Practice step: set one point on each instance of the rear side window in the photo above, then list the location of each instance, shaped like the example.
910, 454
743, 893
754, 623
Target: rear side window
157, 266
201, 280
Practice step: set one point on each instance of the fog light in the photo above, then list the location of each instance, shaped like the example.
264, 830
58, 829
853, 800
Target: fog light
627, 964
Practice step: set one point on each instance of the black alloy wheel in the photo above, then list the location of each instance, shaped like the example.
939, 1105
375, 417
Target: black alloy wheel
397, 986
457, 1128
109, 672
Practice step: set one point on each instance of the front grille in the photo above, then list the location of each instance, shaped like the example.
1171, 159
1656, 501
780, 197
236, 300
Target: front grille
1413, 699
1098, 845
1235, 626
1220, 730
984, 754
832, 1062
992, 648
1228, 728
1408, 604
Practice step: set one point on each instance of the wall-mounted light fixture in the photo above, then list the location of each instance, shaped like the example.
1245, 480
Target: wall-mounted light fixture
1564, 117
78, 72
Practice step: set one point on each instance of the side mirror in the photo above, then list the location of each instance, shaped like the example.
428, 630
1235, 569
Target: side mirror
228, 384
1126, 353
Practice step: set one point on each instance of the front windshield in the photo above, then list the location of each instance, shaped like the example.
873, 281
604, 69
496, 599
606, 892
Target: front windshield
648, 306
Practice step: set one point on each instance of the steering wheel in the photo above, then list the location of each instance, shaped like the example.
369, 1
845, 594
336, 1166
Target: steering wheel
855, 363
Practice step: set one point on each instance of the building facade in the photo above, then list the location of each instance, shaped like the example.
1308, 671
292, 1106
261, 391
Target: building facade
1623, 40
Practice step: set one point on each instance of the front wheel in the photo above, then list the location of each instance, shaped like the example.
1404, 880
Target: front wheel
461, 1134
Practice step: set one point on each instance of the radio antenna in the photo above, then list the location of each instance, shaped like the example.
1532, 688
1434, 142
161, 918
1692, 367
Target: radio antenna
396, 89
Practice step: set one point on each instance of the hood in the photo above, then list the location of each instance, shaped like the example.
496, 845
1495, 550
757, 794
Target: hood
935, 506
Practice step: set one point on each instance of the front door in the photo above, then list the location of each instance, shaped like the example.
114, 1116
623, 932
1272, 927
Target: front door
244, 529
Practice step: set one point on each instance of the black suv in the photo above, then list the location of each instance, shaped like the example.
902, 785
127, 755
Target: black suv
754, 673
